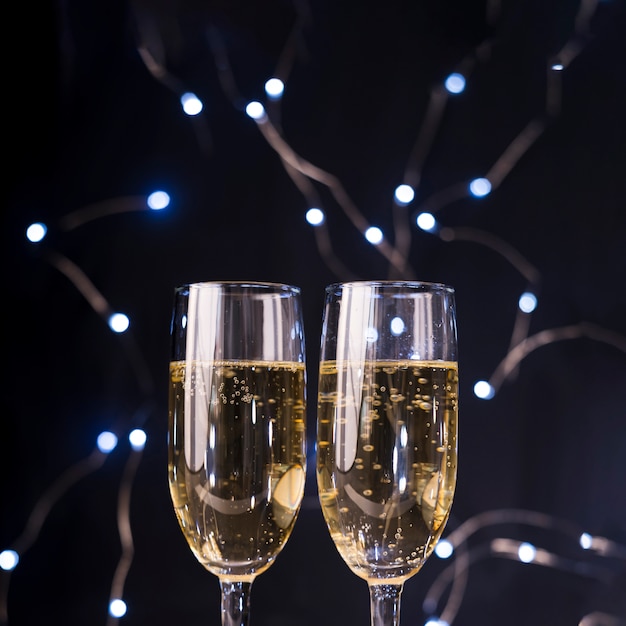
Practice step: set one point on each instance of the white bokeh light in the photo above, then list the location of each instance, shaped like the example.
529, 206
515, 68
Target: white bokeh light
315, 216
36, 232
374, 235
119, 323
397, 326
137, 438
527, 302
255, 110
526, 552
192, 105
107, 441
444, 549
455, 83
274, 88
483, 390
9, 560
480, 187
117, 608
158, 200
426, 221
404, 194
371, 335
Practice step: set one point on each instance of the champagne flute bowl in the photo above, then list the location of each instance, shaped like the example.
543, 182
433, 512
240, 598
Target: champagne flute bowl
236, 432
387, 429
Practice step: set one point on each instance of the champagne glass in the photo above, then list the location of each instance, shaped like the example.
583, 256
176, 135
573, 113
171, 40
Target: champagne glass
387, 429
236, 442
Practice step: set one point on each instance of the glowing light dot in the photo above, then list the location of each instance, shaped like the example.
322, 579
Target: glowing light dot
526, 552
586, 541
106, 441
397, 326
480, 187
192, 105
374, 235
455, 83
119, 323
137, 439
433, 621
158, 200
117, 608
527, 302
36, 232
371, 335
482, 389
9, 560
274, 88
558, 67
444, 549
315, 216
426, 221
255, 110
404, 194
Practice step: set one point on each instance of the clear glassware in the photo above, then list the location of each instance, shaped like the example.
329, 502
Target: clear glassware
237, 428
387, 429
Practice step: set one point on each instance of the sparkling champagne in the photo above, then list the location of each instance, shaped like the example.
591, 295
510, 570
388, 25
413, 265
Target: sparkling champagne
237, 460
387, 461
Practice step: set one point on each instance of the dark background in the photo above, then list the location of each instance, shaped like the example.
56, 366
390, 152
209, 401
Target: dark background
86, 122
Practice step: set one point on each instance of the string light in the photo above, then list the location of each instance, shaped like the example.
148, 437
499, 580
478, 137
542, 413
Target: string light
192, 105
527, 302
374, 235
455, 83
315, 216
480, 187
302, 172
119, 322
274, 88
36, 232
426, 221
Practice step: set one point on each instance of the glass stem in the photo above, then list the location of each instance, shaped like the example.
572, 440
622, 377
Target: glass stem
385, 604
235, 603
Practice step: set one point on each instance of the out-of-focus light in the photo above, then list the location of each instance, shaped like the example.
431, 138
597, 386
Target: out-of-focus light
9, 560
117, 608
397, 326
483, 390
36, 232
192, 105
455, 83
480, 187
137, 438
557, 67
374, 235
426, 221
371, 335
404, 194
274, 88
315, 216
586, 541
527, 302
119, 323
255, 110
526, 552
444, 549
106, 441
434, 621
158, 200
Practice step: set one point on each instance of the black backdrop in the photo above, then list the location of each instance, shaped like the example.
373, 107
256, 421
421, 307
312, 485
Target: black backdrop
87, 122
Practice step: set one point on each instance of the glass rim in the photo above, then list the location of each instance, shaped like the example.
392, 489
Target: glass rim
398, 284
259, 285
